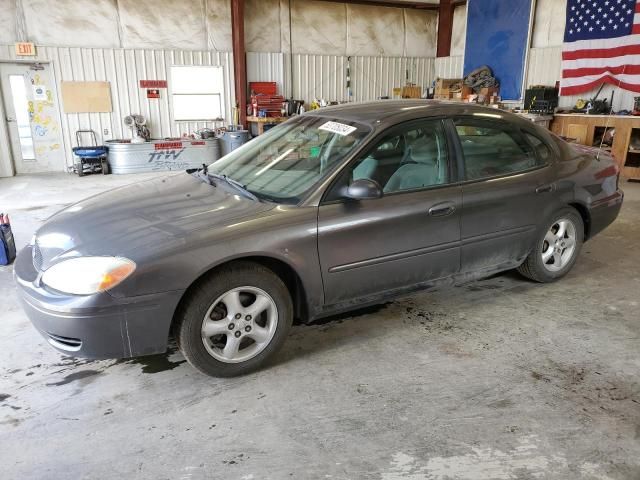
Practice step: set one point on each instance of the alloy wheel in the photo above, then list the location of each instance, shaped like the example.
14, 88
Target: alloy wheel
559, 245
239, 324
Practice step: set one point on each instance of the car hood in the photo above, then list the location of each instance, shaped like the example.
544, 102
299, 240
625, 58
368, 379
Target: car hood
146, 217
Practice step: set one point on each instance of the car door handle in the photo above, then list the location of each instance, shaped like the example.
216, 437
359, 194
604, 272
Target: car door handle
442, 210
545, 188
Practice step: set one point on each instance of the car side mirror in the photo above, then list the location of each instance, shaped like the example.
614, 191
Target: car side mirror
364, 189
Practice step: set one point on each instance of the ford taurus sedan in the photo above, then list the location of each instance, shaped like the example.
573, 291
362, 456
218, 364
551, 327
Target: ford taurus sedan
333, 210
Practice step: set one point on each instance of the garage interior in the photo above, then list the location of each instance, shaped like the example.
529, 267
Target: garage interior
500, 378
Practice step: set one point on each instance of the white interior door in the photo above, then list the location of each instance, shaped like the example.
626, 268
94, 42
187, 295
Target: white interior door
32, 121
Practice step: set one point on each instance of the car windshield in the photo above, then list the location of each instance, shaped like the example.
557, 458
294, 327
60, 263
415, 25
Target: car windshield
288, 160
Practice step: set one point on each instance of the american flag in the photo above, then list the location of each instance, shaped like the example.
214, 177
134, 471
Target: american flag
601, 45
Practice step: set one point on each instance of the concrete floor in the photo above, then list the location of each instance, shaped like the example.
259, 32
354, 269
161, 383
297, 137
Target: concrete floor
500, 379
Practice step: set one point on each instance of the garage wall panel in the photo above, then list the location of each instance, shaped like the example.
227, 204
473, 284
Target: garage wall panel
8, 23
459, 30
262, 25
218, 25
267, 67
549, 20
375, 31
325, 76
545, 66
317, 27
124, 69
421, 33
449, 67
163, 24
88, 23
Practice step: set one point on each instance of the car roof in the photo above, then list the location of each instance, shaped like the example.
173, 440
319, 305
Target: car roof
388, 112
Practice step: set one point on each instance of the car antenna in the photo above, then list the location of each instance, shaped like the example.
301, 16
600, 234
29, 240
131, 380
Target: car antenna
606, 127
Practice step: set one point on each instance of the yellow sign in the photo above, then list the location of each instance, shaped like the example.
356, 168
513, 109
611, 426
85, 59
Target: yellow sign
397, 91
25, 49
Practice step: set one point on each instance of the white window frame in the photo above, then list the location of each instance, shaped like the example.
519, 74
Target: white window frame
185, 91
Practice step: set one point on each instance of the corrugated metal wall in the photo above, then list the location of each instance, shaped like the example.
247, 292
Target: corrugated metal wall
325, 76
267, 67
545, 66
449, 67
316, 76
123, 69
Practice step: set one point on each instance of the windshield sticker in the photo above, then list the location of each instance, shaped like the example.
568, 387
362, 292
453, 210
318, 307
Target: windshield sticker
339, 128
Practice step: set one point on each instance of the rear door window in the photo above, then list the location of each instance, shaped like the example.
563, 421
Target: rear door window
491, 149
541, 148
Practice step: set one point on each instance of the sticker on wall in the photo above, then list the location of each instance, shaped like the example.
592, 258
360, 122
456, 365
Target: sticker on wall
153, 84
40, 93
153, 93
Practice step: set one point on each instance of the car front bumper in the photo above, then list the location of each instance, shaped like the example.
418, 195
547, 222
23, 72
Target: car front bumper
95, 326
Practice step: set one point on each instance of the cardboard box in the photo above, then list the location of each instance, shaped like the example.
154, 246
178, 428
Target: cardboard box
446, 83
443, 85
489, 91
464, 93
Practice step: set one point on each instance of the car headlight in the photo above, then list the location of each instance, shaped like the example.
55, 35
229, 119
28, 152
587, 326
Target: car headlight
88, 275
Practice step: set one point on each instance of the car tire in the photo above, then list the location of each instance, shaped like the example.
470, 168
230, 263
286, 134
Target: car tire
225, 305
555, 251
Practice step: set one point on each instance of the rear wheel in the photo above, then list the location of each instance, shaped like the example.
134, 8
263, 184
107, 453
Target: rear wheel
557, 248
235, 320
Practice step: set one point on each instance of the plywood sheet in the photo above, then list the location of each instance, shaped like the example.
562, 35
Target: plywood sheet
86, 97
578, 132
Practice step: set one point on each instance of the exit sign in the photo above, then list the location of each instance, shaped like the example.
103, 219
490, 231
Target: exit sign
25, 49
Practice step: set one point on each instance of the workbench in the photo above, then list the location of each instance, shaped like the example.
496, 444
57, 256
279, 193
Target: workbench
260, 122
584, 128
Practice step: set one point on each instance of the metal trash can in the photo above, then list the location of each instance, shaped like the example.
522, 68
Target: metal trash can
232, 140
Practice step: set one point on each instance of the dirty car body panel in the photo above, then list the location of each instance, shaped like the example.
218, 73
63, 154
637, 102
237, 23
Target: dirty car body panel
342, 253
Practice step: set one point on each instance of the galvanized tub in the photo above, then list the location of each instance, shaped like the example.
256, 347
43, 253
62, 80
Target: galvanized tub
161, 155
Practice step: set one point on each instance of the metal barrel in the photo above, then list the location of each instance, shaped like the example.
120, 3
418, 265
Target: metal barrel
231, 140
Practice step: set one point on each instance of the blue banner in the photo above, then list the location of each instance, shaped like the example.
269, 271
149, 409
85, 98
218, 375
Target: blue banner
497, 34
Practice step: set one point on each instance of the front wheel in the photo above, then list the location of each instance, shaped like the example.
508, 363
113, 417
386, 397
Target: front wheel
557, 248
235, 320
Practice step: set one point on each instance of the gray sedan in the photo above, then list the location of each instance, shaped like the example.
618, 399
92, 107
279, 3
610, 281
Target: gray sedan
333, 210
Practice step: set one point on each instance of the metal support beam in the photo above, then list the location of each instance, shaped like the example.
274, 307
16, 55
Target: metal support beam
445, 27
239, 59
